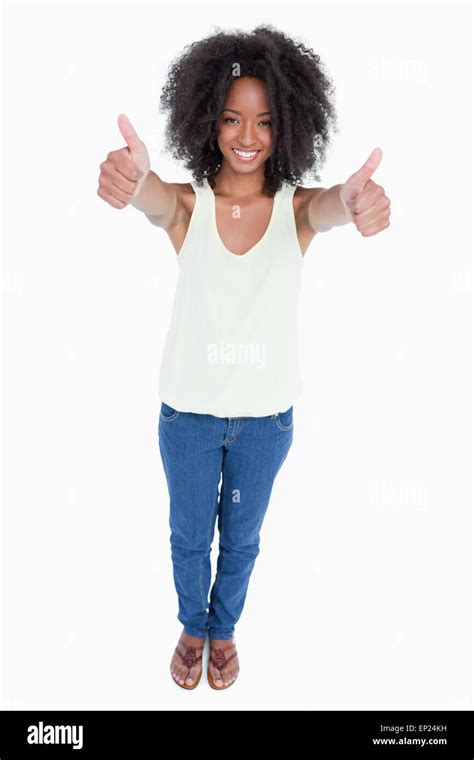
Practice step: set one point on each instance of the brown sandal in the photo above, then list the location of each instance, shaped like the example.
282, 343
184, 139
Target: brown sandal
189, 658
218, 658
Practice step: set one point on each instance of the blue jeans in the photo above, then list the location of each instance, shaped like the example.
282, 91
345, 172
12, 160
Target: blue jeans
196, 450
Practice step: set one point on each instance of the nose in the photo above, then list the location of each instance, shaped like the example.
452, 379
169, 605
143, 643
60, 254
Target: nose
247, 135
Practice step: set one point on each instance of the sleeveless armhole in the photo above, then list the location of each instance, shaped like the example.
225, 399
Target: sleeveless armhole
192, 223
291, 221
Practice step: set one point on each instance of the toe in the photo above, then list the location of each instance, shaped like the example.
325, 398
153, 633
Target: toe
192, 676
217, 677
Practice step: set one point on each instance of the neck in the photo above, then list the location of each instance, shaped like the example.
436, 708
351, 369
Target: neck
234, 185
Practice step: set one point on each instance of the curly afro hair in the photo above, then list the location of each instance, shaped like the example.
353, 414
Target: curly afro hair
298, 90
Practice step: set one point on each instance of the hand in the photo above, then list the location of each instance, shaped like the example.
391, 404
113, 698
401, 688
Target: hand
124, 171
365, 202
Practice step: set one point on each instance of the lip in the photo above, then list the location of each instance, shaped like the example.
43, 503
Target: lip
245, 160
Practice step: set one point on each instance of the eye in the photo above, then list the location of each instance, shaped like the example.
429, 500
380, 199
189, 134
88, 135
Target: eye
228, 119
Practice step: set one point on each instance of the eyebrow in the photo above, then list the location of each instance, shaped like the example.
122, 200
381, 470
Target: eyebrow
264, 113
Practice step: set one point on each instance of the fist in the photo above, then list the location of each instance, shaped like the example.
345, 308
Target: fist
365, 202
124, 171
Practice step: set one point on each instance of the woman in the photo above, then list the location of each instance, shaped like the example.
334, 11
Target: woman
250, 113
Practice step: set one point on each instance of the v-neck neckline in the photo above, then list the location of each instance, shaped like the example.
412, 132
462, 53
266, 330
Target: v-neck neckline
216, 229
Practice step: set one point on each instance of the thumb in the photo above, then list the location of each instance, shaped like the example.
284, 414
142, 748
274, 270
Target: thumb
128, 132
360, 177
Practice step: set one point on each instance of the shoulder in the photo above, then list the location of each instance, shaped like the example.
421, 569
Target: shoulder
303, 195
185, 191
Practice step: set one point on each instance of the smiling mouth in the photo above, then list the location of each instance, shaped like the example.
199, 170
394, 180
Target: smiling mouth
245, 155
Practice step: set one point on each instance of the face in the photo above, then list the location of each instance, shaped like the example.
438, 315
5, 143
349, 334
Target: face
245, 125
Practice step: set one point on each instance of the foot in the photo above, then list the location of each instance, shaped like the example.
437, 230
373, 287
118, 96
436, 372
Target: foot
186, 664
223, 663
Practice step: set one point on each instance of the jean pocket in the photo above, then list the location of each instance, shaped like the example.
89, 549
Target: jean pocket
167, 412
284, 420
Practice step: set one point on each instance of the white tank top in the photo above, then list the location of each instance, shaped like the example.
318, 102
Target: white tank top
232, 345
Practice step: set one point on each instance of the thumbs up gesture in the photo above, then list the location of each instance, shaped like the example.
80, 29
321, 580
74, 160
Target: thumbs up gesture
365, 202
124, 171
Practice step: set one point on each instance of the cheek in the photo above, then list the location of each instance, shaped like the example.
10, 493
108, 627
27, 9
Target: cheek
266, 138
225, 135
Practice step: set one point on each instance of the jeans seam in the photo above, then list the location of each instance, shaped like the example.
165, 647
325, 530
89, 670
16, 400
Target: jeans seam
201, 581
221, 570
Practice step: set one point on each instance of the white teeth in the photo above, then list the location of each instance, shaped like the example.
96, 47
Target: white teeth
243, 154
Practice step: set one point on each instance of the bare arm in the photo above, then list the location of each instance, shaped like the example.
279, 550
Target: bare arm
326, 210
157, 199
359, 200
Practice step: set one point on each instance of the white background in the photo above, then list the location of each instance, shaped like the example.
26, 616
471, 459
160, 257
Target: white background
361, 595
